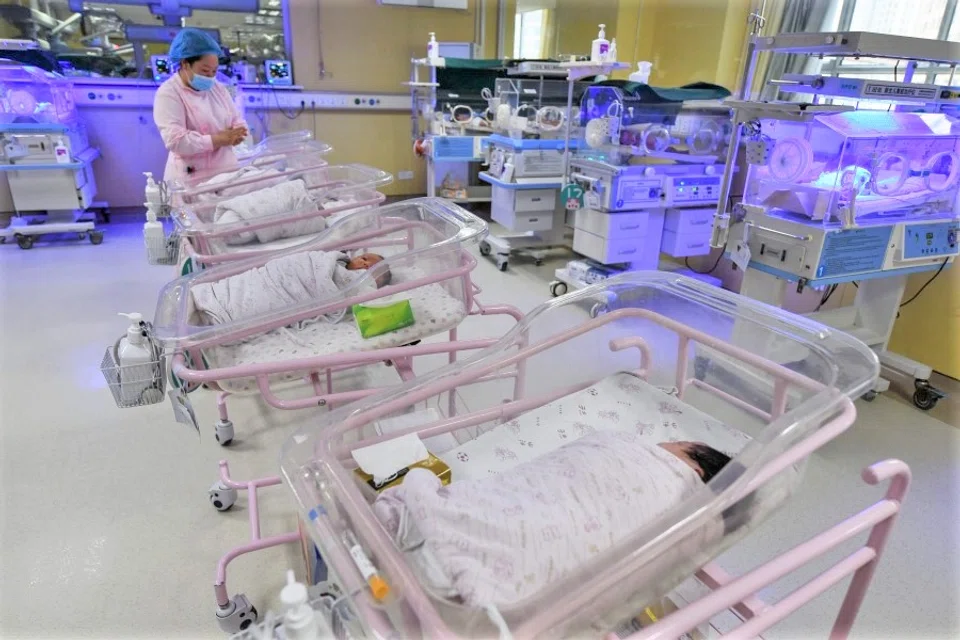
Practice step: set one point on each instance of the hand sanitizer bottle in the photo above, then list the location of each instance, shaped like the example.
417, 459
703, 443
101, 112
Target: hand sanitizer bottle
433, 48
152, 192
133, 351
300, 621
600, 48
153, 235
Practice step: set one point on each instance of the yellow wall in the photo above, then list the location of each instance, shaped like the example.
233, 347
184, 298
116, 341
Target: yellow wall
929, 328
367, 47
578, 22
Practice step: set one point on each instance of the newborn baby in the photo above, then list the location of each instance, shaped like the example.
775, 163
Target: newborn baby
502, 538
364, 261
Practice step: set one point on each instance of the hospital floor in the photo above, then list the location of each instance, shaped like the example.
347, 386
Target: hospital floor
106, 526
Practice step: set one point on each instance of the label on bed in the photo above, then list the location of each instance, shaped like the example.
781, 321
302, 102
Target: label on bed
436, 444
183, 408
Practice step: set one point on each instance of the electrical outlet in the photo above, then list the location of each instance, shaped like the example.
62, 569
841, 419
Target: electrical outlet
405, 175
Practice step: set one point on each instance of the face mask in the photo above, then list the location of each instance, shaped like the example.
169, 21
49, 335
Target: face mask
202, 83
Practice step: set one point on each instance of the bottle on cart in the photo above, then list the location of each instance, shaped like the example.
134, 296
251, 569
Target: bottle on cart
136, 359
612, 53
300, 620
433, 48
601, 47
152, 192
153, 235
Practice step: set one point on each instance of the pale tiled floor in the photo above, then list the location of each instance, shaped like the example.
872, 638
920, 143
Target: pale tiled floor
106, 527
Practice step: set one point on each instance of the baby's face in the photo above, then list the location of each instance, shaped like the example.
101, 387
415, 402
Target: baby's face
679, 449
364, 261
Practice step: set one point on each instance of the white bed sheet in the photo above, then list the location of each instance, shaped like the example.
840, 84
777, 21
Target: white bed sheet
619, 402
434, 310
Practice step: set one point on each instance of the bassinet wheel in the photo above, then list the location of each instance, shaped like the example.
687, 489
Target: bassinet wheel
597, 309
502, 265
558, 288
237, 615
484, 248
224, 432
25, 242
869, 396
221, 496
81, 236
96, 237
538, 262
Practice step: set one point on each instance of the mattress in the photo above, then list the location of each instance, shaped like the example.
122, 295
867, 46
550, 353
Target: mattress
619, 402
434, 309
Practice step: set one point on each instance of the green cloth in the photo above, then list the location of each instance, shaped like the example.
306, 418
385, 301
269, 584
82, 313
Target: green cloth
655, 95
377, 320
469, 63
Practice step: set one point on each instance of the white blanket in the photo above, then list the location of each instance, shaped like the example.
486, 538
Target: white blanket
244, 173
286, 197
280, 283
500, 539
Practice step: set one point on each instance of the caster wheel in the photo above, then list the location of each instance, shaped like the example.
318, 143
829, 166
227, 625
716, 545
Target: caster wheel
25, 242
538, 262
926, 398
870, 396
3, 240
237, 616
484, 248
96, 237
597, 309
558, 288
221, 496
502, 266
224, 432
81, 236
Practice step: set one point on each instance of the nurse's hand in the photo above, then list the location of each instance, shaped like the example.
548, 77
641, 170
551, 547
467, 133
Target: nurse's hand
229, 137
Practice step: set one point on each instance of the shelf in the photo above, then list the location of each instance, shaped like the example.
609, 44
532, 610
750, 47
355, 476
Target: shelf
862, 44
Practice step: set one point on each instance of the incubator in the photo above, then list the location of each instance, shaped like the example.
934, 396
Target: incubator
835, 195
651, 167
854, 166
45, 153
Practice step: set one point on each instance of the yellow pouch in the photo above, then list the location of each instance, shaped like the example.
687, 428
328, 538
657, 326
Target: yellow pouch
432, 463
377, 320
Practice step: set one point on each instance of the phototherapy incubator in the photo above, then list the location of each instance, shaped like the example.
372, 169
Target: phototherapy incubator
650, 167
45, 154
862, 193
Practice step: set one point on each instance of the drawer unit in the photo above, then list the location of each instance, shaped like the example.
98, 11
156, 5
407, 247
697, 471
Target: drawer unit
684, 245
640, 251
523, 210
535, 200
618, 225
683, 221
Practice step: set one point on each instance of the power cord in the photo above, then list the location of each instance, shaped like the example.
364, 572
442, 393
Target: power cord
686, 261
926, 284
286, 114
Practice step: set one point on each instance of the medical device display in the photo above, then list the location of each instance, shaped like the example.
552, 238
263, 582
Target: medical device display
162, 67
278, 73
633, 395
855, 165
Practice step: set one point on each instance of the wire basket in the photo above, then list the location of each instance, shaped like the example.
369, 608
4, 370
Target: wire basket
165, 251
136, 385
334, 610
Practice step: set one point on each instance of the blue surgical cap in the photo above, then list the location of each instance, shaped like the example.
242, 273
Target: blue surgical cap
192, 43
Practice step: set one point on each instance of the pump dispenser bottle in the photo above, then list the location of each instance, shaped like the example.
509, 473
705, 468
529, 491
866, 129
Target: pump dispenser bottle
601, 46
153, 235
152, 192
133, 350
433, 48
300, 621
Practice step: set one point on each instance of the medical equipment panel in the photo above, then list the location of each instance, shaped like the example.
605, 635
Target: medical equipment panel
278, 73
851, 165
926, 240
661, 315
162, 67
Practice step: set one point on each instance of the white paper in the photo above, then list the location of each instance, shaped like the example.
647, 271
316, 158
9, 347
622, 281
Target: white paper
436, 444
741, 256
384, 459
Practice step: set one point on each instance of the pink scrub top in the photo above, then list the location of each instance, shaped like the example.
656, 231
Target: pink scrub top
187, 119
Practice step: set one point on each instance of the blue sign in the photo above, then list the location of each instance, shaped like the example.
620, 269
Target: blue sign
853, 251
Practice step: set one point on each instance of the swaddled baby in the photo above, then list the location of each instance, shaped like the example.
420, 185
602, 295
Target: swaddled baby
499, 539
282, 283
281, 198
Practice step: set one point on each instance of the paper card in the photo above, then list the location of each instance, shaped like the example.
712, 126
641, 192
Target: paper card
741, 256
183, 408
384, 459
436, 445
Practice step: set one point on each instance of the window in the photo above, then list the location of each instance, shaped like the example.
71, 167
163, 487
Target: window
932, 19
528, 34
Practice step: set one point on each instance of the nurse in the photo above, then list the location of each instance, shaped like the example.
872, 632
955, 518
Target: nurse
196, 116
